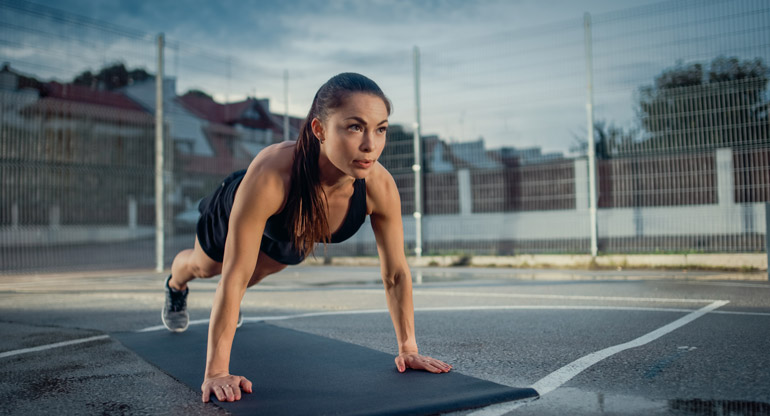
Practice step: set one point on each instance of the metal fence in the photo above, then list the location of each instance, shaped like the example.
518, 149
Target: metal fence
680, 123
680, 128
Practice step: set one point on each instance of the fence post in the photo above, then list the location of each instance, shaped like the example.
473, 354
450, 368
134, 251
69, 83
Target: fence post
416, 167
159, 191
580, 169
591, 145
464, 191
725, 180
286, 135
15, 215
132, 212
54, 216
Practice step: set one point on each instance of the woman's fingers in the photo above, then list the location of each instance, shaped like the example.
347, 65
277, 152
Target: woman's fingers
442, 365
219, 391
438, 364
245, 385
400, 364
230, 395
226, 389
435, 366
419, 362
205, 394
432, 367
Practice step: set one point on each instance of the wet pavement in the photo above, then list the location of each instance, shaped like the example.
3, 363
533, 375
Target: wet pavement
515, 327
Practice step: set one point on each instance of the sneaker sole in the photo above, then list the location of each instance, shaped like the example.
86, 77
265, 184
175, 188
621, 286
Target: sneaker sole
163, 318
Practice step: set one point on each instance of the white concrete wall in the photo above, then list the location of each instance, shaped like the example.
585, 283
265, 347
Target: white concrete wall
725, 217
573, 224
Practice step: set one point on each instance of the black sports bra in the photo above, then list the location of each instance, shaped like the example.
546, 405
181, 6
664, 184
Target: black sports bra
276, 242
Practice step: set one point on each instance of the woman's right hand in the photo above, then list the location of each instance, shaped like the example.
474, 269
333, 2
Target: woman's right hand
226, 387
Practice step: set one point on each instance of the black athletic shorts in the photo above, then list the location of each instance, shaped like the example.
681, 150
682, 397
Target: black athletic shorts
215, 215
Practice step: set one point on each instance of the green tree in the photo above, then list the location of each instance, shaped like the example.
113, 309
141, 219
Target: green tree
609, 140
695, 106
111, 77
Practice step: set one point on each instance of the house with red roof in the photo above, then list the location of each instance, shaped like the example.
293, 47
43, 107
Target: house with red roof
111, 133
79, 124
236, 131
210, 139
68, 144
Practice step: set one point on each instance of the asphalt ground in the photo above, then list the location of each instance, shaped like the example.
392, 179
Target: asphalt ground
630, 342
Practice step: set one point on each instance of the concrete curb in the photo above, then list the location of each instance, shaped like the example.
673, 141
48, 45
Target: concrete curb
718, 262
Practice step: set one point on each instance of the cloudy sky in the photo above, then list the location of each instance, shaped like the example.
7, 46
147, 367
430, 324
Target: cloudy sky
510, 71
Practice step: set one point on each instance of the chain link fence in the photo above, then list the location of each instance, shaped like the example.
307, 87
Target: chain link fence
680, 127
680, 123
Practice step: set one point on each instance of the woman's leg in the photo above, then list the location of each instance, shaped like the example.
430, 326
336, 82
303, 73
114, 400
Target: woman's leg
190, 264
265, 267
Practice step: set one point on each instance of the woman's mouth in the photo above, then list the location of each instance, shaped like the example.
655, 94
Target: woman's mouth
363, 163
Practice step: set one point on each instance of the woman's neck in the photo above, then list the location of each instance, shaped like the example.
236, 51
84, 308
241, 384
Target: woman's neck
331, 178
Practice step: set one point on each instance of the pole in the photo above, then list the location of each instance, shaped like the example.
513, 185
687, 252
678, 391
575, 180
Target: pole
767, 237
286, 105
159, 191
591, 141
416, 167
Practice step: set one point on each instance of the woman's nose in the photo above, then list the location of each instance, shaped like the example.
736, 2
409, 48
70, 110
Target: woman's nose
367, 142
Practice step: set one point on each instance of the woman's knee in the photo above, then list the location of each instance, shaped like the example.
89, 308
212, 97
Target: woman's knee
205, 269
203, 266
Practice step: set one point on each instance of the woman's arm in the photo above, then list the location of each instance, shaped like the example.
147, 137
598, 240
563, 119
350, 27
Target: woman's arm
259, 195
389, 233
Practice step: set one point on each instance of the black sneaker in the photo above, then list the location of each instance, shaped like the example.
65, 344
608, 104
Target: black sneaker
174, 315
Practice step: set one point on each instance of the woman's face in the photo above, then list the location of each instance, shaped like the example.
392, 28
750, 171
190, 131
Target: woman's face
353, 135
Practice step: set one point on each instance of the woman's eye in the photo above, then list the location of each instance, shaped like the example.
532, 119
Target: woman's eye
382, 130
355, 127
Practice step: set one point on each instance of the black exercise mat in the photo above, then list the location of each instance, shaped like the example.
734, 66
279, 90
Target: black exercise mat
296, 373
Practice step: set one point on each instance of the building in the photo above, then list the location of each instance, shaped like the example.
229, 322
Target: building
210, 139
67, 143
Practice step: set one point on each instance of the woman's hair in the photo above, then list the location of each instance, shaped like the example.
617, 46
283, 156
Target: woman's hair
307, 220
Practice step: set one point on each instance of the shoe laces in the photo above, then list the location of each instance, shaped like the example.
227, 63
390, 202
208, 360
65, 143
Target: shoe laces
178, 300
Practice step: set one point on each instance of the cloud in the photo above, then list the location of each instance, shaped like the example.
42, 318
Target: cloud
511, 71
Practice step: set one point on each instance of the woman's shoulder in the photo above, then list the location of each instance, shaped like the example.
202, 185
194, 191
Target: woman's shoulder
381, 188
275, 159
271, 167
276, 155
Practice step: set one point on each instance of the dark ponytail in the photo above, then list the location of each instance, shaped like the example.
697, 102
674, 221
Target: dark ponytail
307, 218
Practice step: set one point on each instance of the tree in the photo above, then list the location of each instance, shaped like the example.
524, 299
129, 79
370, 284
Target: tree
696, 107
609, 140
199, 94
111, 77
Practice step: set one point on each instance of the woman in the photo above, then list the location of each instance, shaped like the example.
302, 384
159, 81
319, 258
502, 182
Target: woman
292, 196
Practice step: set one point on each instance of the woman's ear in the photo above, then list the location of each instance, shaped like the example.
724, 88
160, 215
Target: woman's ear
318, 129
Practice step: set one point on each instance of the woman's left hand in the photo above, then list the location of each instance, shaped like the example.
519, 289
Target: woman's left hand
421, 362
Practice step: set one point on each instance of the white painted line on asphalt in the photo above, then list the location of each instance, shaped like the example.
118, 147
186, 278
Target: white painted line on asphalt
51, 346
556, 379
370, 311
552, 381
159, 327
560, 297
741, 313
435, 309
